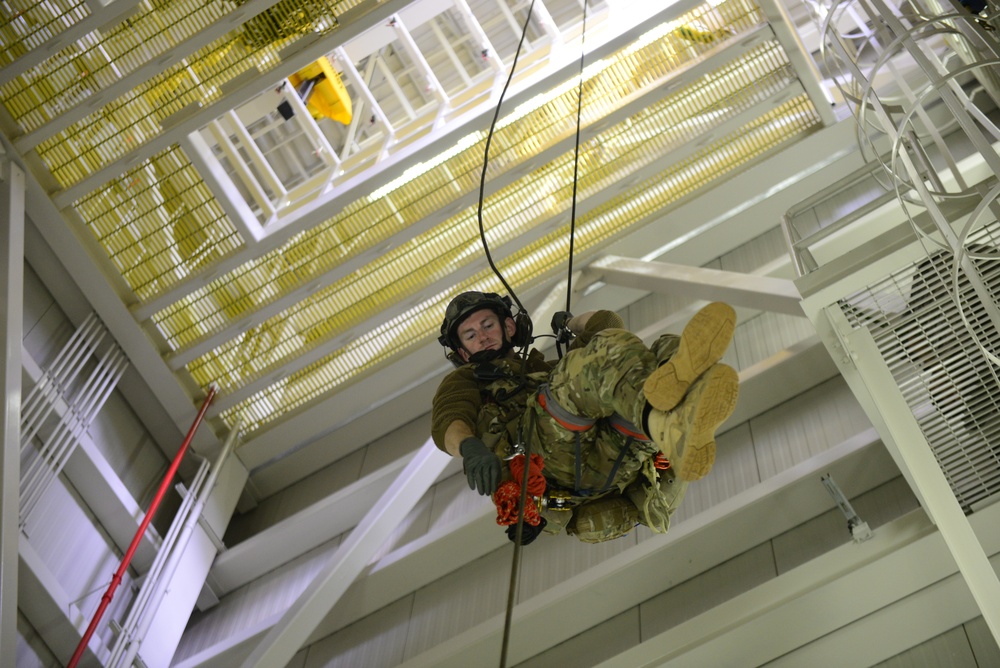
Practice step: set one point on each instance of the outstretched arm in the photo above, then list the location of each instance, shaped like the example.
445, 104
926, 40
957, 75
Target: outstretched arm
457, 432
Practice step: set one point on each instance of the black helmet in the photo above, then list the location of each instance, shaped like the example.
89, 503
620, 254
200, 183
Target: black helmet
464, 305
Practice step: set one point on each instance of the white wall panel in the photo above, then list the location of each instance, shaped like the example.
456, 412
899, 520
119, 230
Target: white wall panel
128, 447
711, 588
822, 534
377, 641
31, 650
948, 650
268, 596
463, 599
810, 423
287, 502
452, 499
593, 645
653, 308
37, 300
48, 334
77, 552
757, 252
400, 442
761, 337
552, 559
984, 645
62, 531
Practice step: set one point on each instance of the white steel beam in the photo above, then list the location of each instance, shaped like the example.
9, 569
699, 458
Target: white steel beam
406, 39
489, 53
231, 121
763, 293
353, 555
11, 319
801, 60
226, 193
913, 452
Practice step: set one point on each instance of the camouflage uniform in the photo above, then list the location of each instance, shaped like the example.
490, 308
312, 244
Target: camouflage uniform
602, 479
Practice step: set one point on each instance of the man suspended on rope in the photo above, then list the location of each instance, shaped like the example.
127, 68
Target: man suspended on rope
621, 428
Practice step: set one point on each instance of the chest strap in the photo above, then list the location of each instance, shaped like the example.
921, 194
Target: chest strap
626, 428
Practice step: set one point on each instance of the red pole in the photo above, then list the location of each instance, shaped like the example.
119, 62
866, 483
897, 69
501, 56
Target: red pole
127, 559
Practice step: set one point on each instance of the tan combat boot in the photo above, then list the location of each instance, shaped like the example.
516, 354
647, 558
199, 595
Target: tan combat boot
686, 435
702, 343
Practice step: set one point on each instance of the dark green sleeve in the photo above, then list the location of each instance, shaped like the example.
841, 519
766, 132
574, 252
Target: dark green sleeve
457, 398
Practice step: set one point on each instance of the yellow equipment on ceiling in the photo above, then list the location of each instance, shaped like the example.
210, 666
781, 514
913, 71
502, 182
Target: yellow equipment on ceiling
322, 91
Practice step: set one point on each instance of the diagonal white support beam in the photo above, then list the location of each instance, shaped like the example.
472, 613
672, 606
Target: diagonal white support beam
11, 325
288, 635
911, 450
763, 293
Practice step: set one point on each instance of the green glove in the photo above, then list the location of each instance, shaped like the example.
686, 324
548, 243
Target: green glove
482, 467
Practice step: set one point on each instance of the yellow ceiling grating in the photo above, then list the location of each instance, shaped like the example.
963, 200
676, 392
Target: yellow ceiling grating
643, 201
158, 222
101, 58
365, 223
133, 119
28, 24
539, 197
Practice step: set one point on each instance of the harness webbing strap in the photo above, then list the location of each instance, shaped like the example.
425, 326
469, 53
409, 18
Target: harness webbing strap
577, 425
625, 427
565, 419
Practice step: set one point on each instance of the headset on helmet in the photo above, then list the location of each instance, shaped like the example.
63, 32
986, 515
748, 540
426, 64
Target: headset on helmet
467, 303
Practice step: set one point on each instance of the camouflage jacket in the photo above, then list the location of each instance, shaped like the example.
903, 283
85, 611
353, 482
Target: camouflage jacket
488, 398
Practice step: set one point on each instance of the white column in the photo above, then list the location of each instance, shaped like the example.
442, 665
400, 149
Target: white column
11, 318
913, 454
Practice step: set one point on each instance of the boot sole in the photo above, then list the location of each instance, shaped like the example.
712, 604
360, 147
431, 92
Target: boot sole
703, 343
716, 399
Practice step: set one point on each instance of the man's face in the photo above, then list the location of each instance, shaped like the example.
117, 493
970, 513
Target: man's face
482, 331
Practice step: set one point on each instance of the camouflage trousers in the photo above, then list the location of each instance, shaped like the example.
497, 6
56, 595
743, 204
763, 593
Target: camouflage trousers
607, 473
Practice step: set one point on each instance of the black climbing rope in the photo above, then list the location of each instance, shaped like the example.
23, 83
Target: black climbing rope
524, 437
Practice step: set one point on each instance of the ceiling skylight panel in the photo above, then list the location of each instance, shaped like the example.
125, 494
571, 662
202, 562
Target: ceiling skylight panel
467, 158
158, 222
28, 25
387, 282
136, 117
98, 60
